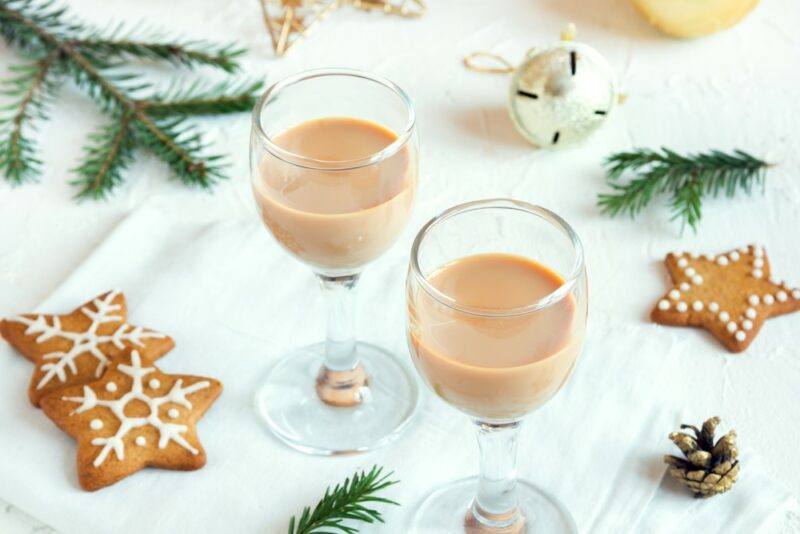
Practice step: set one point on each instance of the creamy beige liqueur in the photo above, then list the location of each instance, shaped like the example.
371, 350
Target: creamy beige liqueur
494, 368
336, 220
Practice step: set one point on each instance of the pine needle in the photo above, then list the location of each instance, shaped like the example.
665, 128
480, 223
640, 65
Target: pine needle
349, 500
60, 46
685, 180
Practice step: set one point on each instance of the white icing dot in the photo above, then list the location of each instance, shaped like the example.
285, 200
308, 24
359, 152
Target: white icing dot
744, 250
723, 316
690, 271
709, 257
682, 307
740, 336
674, 294
683, 262
747, 324
685, 286
731, 326
758, 252
758, 262
782, 296
173, 413
796, 294
750, 313
768, 299
714, 307
758, 273
697, 306
140, 441
697, 279
753, 300
663, 304
722, 260
96, 424
111, 387
154, 383
734, 256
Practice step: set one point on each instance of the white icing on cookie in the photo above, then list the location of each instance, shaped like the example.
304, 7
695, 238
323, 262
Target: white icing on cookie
697, 306
768, 299
697, 279
782, 296
758, 273
173, 413
734, 256
709, 257
722, 260
690, 272
740, 336
731, 326
724, 317
758, 263
713, 306
95, 424
682, 263
796, 294
758, 252
750, 313
753, 300
744, 250
685, 286
87, 342
663, 304
747, 324
682, 307
167, 431
154, 383
674, 294
111, 387
141, 441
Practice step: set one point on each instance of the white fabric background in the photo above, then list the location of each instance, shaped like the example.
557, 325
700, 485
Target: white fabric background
736, 89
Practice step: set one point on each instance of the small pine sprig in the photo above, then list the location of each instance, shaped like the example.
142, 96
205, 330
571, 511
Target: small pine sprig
349, 500
686, 180
60, 47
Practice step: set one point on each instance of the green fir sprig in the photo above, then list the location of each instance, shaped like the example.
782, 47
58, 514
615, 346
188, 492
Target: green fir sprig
350, 500
59, 48
685, 180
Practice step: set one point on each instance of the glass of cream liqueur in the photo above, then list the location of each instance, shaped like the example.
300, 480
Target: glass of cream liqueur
334, 165
497, 300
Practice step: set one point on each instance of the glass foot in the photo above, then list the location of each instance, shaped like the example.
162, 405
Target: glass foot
448, 509
289, 403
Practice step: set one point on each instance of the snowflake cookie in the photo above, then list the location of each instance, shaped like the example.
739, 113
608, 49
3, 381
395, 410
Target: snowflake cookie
78, 347
135, 416
730, 295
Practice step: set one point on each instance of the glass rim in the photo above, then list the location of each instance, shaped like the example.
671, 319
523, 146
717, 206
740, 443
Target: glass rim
504, 204
331, 165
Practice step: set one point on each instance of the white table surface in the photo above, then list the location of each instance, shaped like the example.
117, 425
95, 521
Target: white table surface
735, 89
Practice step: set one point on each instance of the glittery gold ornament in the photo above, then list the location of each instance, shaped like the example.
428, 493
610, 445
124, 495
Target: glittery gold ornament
288, 21
559, 95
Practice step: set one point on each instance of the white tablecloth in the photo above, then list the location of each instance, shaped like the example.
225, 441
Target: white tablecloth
735, 89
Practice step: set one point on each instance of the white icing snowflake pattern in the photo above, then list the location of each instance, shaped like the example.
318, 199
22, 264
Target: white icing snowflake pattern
58, 363
167, 431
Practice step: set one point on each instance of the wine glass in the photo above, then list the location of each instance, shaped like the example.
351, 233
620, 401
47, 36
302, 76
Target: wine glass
333, 166
497, 300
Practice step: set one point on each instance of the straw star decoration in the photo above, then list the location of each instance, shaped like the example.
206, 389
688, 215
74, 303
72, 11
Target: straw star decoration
731, 295
288, 21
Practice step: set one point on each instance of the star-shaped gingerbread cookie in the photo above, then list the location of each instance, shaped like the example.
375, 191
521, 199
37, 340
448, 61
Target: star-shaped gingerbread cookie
730, 295
78, 347
134, 417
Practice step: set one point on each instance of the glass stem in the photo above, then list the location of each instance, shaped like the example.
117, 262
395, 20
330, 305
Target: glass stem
341, 380
495, 506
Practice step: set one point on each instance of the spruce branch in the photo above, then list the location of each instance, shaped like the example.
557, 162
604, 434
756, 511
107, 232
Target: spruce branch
144, 117
686, 180
349, 500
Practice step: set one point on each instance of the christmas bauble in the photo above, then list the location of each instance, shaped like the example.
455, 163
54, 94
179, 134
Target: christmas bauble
562, 94
693, 18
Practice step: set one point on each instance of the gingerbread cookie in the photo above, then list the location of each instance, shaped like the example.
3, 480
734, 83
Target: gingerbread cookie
730, 295
135, 416
78, 347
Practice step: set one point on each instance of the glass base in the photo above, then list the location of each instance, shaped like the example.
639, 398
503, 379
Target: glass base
289, 403
448, 509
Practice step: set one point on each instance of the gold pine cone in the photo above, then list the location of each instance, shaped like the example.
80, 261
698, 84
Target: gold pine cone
707, 468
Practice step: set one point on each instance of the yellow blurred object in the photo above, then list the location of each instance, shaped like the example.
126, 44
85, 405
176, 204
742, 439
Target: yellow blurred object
693, 18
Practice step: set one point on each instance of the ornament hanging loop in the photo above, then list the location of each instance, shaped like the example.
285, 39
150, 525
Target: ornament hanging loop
483, 61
